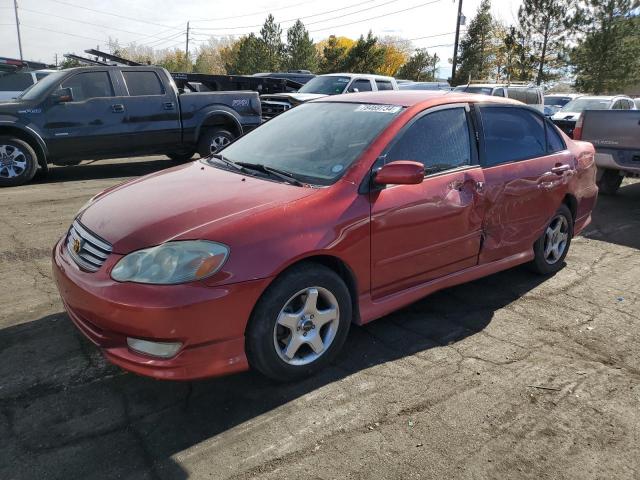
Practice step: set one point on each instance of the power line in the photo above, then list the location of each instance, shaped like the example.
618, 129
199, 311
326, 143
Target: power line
377, 16
62, 33
256, 13
113, 14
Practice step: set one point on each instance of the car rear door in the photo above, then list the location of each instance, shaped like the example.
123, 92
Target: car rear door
153, 114
526, 171
92, 124
425, 231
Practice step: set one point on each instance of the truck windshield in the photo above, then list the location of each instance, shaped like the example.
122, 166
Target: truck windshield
581, 104
329, 85
35, 91
315, 142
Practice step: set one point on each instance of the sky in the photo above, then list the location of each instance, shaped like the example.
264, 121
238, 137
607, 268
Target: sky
50, 27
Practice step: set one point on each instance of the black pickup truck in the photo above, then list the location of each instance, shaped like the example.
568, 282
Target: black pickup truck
90, 113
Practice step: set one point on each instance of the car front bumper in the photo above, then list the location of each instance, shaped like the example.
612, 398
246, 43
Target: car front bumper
208, 321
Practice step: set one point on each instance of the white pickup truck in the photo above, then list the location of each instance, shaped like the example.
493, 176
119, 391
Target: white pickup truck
616, 136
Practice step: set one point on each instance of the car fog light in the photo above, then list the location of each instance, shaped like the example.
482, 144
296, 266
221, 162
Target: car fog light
156, 349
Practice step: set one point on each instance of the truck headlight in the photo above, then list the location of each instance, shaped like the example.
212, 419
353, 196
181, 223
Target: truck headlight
172, 262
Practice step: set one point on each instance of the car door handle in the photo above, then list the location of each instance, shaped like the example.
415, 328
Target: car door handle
117, 108
560, 169
168, 105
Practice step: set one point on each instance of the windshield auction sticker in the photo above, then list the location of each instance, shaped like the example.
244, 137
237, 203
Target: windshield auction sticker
379, 108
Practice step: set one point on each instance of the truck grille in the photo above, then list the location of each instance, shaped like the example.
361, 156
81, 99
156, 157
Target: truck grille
272, 109
87, 249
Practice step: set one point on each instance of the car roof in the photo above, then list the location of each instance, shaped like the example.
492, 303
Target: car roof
410, 98
361, 75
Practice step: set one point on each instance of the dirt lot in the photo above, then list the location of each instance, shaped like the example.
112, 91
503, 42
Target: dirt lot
512, 376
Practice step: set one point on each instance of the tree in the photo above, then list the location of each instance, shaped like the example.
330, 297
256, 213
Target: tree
69, 63
209, 57
271, 36
420, 67
174, 61
365, 56
549, 24
607, 56
300, 51
396, 52
333, 53
476, 54
248, 56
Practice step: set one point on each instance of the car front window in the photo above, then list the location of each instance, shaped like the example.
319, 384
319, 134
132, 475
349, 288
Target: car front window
581, 104
317, 142
35, 91
330, 85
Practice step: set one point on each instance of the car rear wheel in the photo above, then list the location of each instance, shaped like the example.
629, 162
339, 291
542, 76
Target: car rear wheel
609, 182
299, 324
552, 247
213, 140
18, 162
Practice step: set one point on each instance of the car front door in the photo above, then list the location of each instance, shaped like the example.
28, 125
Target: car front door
153, 115
425, 231
526, 172
91, 124
360, 85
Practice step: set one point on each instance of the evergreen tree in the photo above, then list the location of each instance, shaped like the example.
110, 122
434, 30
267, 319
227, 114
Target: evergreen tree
476, 52
607, 58
250, 55
549, 24
274, 49
365, 56
420, 67
334, 55
300, 51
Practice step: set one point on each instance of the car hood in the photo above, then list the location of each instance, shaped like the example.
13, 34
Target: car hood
185, 202
294, 98
566, 116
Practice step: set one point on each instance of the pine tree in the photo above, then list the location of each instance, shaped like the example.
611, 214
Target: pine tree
334, 54
249, 55
365, 56
420, 67
476, 52
271, 35
549, 25
607, 58
300, 50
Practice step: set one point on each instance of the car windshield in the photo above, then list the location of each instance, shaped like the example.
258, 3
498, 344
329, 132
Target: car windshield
327, 85
315, 142
556, 101
35, 91
469, 89
581, 104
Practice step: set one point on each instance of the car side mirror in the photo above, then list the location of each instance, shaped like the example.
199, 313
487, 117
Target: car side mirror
400, 172
62, 95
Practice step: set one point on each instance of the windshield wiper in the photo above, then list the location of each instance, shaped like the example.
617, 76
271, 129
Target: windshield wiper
226, 161
276, 172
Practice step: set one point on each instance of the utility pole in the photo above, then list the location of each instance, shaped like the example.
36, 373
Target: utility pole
15, 8
454, 63
186, 49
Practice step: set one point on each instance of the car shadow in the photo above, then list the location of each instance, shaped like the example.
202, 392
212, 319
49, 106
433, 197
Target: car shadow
61, 404
105, 169
616, 218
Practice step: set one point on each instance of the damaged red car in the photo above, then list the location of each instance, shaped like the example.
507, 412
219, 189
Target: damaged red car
338, 211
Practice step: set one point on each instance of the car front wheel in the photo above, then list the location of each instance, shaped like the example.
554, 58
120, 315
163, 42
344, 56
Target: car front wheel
552, 247
299, 324
18, 162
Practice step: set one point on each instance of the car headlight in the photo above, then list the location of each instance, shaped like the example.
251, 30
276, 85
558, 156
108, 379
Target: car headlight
172, 262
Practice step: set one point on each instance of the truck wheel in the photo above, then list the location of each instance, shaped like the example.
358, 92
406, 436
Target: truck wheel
212, 140
609, 182
299, 324
552, 247
181, 156
18, 162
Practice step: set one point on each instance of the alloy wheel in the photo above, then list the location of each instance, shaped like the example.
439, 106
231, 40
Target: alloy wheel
219, 142
555, 239
306, 326
13, 161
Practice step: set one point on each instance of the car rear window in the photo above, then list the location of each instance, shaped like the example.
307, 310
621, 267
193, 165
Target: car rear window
15, 82
143, 83
511, 134
384, 85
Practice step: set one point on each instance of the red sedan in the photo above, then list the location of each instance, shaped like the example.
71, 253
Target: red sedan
338, 211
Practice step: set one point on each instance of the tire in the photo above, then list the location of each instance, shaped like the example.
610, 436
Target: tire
18, 162
211, 137
609, 182
183, 156
302, 298
548, 260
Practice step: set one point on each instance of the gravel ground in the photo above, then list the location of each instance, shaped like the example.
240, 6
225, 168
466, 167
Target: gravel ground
511, 376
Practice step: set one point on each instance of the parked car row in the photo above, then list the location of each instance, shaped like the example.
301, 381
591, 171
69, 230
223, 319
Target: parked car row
567, 116
338, 211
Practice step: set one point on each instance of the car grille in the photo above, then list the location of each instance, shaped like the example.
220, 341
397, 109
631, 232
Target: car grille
272, 109
87, 249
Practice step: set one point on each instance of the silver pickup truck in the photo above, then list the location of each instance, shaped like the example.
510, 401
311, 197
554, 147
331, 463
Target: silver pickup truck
616, 136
